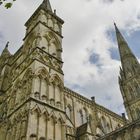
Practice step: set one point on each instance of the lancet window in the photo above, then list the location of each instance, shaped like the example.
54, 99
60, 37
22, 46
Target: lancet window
41, 84
85, 115
105, 125
55, 94
69, 111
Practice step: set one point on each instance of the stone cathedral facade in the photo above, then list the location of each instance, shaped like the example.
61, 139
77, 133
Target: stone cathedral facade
36, 105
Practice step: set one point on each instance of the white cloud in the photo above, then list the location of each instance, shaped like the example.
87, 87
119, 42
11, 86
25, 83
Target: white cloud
86, 24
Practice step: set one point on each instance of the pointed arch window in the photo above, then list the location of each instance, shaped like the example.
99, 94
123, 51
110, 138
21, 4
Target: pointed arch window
51, 129
34, 124
80, 117
58, 93
104, 124
52, 93
69, 111
58, 130
44, 44
41, 88
52, 47
42, 126
108, 128
85, 115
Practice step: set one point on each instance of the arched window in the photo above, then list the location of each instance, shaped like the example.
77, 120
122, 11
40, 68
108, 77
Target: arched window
43, 88
51, 91
108, 128
80, 117
50, 22
37, 85
44, 44
68, 111
51, 128
23, 129
52, 47
58, 130
42, 126
104, 124
56, 27
58, 94
55, 87
85, 115
34, 124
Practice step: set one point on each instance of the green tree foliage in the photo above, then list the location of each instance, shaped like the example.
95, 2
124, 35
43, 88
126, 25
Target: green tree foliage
7, 3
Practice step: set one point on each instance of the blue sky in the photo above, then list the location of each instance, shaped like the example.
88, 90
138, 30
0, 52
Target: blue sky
91, 58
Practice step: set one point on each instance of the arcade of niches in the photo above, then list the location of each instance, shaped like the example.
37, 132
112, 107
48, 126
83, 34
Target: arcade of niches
35, 104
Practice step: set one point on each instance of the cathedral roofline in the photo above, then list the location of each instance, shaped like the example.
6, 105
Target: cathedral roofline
73, 93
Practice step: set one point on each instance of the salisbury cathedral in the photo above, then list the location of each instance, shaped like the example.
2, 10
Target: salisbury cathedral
36, 105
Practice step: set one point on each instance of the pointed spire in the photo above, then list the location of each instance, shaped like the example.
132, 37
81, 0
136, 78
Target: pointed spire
128, 59
46, 5
122, 44
6, 52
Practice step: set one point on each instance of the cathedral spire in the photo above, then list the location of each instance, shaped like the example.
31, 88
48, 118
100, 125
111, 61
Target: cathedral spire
126, 55
122, 44
46, 5
129, 77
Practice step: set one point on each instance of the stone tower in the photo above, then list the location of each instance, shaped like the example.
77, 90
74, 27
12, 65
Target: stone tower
129, 79
35, 104
32, 82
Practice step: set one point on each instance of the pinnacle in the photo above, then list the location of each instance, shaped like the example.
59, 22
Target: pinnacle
46, 5
116, 28
7, 45
6, 51
122, 44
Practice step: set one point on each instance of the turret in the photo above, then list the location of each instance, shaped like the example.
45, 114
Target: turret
5, 54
